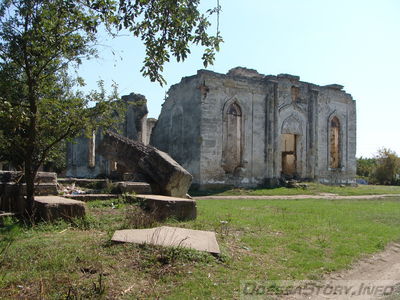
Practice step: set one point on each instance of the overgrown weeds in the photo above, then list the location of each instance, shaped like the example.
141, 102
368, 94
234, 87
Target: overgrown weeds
8, 234
136, 218
95, 290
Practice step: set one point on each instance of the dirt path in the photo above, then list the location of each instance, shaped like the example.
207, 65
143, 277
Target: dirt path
288, 197
376, 277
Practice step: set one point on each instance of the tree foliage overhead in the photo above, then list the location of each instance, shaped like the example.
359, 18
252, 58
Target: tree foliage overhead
168, 28
41, 41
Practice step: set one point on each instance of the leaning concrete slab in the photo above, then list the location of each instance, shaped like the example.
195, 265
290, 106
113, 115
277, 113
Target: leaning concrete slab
50, 208
170, 236
165, 207
164, 174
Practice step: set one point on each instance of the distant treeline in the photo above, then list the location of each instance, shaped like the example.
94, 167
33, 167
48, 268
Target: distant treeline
383, 168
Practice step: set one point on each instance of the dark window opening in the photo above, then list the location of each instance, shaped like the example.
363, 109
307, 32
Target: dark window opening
334, 142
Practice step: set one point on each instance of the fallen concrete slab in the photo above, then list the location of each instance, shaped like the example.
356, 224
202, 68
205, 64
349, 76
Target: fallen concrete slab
164, 174
170, 237
165, 207
50, 208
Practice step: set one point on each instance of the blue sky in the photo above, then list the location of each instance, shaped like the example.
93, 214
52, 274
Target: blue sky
355, 43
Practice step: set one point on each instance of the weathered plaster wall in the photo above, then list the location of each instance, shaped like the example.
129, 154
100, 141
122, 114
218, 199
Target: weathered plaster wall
177, 130
222, 92
264, 107
78, 159
336, 103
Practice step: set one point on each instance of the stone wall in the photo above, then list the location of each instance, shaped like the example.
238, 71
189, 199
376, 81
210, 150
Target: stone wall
13, 189
236, 126
177, 130
224, 94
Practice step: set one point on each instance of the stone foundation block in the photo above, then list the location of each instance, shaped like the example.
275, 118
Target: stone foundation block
169, 207
50, 208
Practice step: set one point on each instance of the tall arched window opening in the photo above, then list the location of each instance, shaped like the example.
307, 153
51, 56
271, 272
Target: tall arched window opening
92, 150
232, 151
334, 143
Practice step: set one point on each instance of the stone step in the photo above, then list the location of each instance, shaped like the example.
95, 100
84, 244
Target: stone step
91, 197
50, 208
12, 195
84, 182
133, 187
41, 189
17, 176
165, 207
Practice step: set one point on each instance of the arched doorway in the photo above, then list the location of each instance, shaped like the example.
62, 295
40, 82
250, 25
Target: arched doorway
289, 157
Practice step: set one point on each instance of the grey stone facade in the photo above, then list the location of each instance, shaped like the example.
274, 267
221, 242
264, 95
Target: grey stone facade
247, 129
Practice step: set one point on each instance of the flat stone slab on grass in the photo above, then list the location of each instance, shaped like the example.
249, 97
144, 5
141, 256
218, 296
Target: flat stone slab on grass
49, 208
165, 207
170, 236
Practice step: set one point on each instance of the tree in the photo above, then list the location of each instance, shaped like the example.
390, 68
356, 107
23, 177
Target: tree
365, 167
387, 167
41, 41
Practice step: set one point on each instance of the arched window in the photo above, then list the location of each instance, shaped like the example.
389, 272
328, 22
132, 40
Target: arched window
334, 143
232, 151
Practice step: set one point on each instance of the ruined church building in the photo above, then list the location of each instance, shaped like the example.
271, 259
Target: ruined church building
246, 129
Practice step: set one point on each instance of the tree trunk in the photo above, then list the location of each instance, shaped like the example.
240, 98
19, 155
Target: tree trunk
30, 187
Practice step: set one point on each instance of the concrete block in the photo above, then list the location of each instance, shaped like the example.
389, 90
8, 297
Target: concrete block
169, 207
50, 208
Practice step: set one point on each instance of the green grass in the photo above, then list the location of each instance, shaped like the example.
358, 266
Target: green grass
312, 189
260, 239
